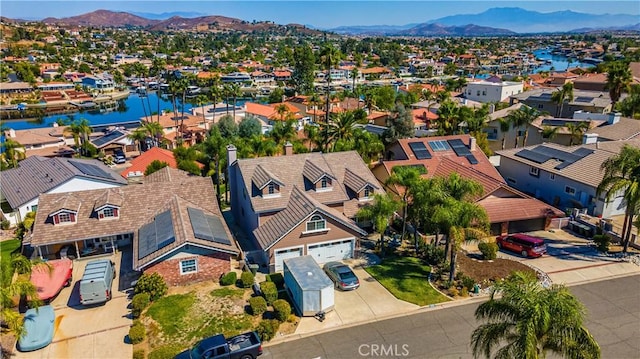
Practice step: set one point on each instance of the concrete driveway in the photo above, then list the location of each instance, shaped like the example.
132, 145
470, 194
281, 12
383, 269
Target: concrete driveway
92, 332
368, 303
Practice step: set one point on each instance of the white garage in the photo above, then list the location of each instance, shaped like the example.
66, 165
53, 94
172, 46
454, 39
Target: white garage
331, 251
282, 254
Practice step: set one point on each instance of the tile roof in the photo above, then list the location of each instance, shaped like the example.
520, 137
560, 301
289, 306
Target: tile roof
357, 183
314, 173
140, 163
36, 136
299, 208
504, 209
140, 203
259, 109
169, 120
289, 170
35, 175
625, 129
262, 177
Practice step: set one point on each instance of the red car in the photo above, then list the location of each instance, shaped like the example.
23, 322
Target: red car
527, 246
50, 279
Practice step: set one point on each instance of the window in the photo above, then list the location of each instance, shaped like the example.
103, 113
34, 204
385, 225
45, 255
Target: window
569, 190
316, 223
540, 106
552, 176
34, 208
188, 266
534, 171
109, 212
367, 192
272, 188
64, 217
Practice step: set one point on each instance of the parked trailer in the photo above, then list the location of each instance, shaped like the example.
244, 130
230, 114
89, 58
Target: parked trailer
310, 288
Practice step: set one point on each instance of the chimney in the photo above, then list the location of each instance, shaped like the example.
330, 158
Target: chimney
614, 118
12, 133
288, 149
589, 138
472, 143
232, 155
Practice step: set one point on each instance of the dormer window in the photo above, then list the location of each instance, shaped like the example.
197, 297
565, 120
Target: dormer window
325, 184
64, 217
316, 223
108, 213
271, 190
367, 192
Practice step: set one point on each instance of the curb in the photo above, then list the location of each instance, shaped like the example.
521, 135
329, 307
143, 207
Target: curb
595, 280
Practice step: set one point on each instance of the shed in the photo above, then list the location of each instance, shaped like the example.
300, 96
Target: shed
310, 288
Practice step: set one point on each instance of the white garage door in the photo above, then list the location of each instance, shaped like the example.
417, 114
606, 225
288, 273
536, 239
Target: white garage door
281, 255
331, 251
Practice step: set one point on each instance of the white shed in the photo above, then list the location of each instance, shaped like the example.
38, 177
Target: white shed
310, 288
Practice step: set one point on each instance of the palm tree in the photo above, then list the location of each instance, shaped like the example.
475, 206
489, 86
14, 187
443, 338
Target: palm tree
12, 153
214, 149
577, 130
562, 94
618, 79
380, 213
234, 92
505, 126
405, 177
282, 110
368, 145
429, 96
154, 130
448, 118
137, 136
201, 100
342, 128
550, 132
80, 130
354, 75
313, 136
21, 287
529, 321
622, 173
329, 57
215, 95
523, 116
282, 132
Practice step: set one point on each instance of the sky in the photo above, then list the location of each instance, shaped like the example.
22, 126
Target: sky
320, 14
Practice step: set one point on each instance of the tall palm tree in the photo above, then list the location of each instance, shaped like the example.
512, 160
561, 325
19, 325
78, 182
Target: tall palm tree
368, 145
549, 132
329, 57
505, 126
282, 110
12, 153
429, 96
342, 128
529, 321
80, 131
622, 174
137, 136
405, 177
21, 287
154, 130
313, 136
576, 131
354, 75
618, 79
215, 95
523, 117
380, 212
282, 132
448, 118
562, 94
214, 150
235, 92
201, 100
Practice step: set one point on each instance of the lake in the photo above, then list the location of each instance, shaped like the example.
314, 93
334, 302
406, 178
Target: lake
558, 63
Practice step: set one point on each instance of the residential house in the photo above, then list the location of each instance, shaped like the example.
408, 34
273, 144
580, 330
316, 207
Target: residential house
186, 126
509, 210
303, 204
99, 83
45, 142
488, 92
282, 75
113, 140
139, 165
613, 127
566, 177
591, 82
586, 101
34, 175
172, 222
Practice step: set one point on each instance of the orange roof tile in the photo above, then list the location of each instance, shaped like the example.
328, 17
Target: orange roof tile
141, 162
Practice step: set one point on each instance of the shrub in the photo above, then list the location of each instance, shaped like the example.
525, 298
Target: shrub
489, 250
602, 242
138, 303
433, 254
137, 332
153, 284
4, 224
464, 292
228, 278
258, 305
468, 282
453, 291
246, 279
267, 329
138, 354
277, 279
269, 291
168, 351
281, 310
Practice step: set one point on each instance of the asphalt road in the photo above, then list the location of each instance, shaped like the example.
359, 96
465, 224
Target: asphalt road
613, 318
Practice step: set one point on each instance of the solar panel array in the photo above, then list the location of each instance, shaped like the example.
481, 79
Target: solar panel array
542, 154
439, 145
91, 170
156, 235
472, 159
111, 136
459, 147
420, 150
207, 227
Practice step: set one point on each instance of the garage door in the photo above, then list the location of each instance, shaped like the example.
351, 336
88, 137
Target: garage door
281, 255
331, 251
526, 226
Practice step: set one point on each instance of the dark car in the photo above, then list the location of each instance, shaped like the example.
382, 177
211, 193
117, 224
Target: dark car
243, 346
527, 246
342, 276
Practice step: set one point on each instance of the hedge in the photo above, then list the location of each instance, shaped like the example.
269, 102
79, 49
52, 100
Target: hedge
138, 303
489, 250
246, 279
269, 291
281, 310
267, 329
137, 332
228, 279
258, 305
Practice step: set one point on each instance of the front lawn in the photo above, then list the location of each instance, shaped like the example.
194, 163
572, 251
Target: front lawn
407, 279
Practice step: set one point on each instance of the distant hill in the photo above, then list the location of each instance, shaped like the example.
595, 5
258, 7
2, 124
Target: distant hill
102, 18
635, 27
525, 21
467, 30
166, 15
371, 29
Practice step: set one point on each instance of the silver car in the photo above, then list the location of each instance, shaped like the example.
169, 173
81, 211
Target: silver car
342, 276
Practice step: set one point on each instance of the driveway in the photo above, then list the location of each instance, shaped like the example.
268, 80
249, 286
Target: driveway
572, 260
368, 303
92, 332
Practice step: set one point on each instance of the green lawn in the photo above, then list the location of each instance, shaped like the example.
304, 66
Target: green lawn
406, 279
229, 292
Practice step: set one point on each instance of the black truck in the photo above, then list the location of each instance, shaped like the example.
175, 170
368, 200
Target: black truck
243, 346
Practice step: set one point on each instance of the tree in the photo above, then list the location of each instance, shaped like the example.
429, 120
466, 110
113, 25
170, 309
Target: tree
577, 130
186, 159
630, 106
138, 136
622, 175
312, 132
529, 321
399, 125
549, 132
155, 166
303, 68
234, 92
342, 128
448, 118
228, 127
405, 177
80, 131
329, 57
368, 145
153, 130
282, 132
380, 213
12, 153
505, 126
523, 116
618, 79
562, 94
249, 126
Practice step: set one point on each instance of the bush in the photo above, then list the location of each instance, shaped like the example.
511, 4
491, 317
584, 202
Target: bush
258, 305
137, 332
228, 278
281, 310
138, 354
269, 291
489, 250
138, 303
277, 279
168, 351
246, 279
602, 242
433, 254
4, 224
468, 282
464, 292
267, 329
153, 284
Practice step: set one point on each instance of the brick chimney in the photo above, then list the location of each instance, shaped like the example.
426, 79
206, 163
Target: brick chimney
472, 143
288, 149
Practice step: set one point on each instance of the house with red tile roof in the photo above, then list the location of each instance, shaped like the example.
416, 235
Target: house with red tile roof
443, 155
140, 163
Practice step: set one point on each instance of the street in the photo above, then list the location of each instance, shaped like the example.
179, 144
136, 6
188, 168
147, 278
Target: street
613, 317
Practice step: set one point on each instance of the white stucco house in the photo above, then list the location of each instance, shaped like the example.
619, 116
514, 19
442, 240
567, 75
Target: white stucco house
488, 92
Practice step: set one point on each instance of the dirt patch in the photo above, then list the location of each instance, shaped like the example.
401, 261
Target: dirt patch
486, 272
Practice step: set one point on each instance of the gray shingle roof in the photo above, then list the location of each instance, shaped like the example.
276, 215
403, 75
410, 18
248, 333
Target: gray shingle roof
261, 177
355, 182
69, 202
299, 207
314, 173
625, 129
36, 175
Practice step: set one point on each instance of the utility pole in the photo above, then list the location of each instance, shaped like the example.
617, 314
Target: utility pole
328, 60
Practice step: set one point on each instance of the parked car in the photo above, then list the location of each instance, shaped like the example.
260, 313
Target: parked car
119, 157
49, 279
95, 285
38, 325
245, 346
527, 246
68, 251
342, 276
